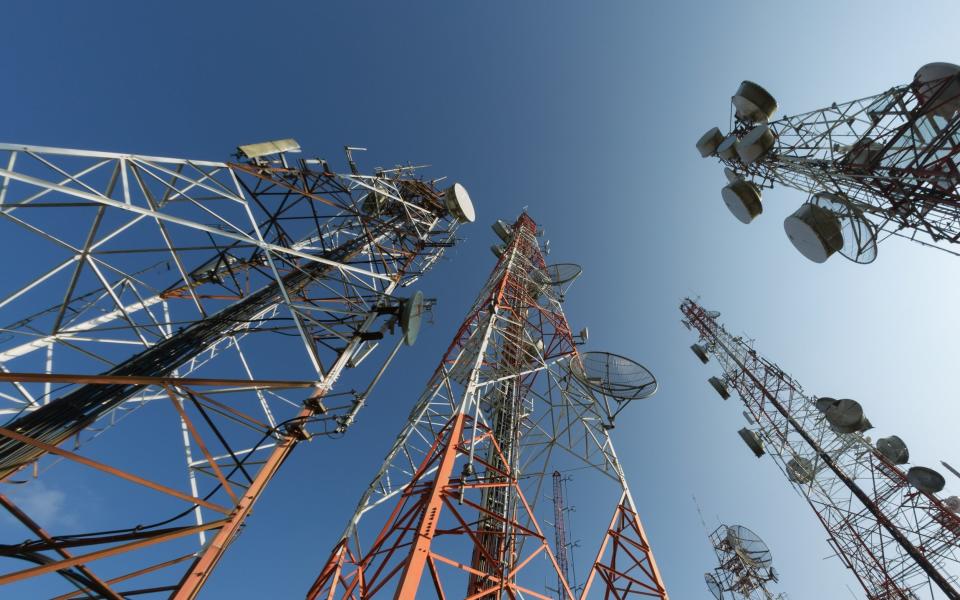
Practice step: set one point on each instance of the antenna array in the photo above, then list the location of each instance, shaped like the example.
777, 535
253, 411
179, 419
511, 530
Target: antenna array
881, 166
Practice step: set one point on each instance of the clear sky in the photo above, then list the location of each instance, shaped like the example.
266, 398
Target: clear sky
587, 114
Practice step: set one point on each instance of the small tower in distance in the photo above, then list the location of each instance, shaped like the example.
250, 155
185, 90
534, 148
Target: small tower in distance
745, 566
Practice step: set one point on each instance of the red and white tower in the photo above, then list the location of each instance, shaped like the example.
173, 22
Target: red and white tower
457, 507
142, 330
886, 524
875, 167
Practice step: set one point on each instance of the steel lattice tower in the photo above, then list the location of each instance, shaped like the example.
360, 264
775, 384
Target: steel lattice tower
161, 292
888, 526
455, 510
744, 566
873, 167
560, 541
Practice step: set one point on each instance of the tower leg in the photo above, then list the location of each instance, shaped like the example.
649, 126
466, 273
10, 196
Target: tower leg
625, 561
413, 570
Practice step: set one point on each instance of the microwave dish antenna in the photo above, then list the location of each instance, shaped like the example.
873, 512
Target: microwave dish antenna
894, 449
713, 584
563, 273
887, 161
830, 223
562, 276
926, 480
613, 377
749, 546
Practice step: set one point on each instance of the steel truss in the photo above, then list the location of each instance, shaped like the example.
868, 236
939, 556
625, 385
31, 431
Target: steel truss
901, 543
178, 284
889, 154
560, 541
462, 492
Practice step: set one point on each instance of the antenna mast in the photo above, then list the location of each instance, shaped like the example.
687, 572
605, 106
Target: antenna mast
455, 509
745, 565
561, 541
881, 166
887, 525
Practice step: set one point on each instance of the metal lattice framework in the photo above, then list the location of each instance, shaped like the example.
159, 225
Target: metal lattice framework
744, 566
456, 508
900, 542
210, 305
891, 159
561, 542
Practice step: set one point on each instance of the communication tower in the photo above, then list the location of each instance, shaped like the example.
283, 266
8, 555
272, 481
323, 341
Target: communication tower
211, 306
457, 506
876, 167
886, 524
561, 541
745, 566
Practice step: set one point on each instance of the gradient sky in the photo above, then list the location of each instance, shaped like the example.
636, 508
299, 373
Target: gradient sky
587, 114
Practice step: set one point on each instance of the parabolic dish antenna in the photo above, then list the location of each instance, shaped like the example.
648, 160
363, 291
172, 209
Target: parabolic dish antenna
742, 198
411, 316
755, 144
845, 415
823, 403
830, 223
701, 353
749, 546
502, 229
859, 234
752, 440
926, 480
952, 503
708, 142
458, 202
563, 273
727, 150
720, 386
614, 376
815, 232
938, 88
713, 584
894, 449
753, 103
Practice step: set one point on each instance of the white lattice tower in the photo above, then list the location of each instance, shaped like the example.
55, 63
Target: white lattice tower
159, 292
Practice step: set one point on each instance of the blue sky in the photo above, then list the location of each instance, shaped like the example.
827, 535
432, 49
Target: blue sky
587, 114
